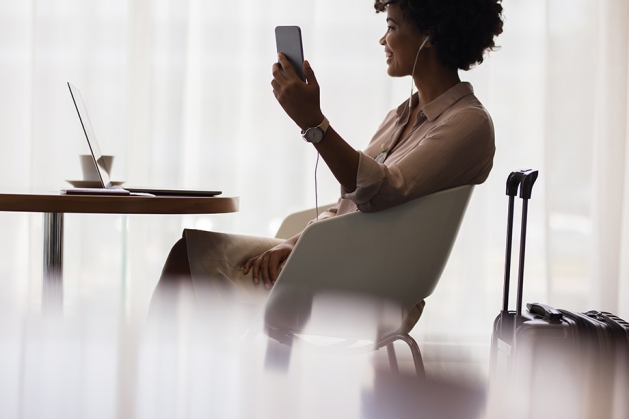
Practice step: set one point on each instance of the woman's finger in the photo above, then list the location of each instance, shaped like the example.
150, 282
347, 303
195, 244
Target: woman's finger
247, 265
309, 73
276, 86
289, 72
273, 265
276, 71
256, 270
264, 270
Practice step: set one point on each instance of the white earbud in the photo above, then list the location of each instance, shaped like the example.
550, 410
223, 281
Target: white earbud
410, 98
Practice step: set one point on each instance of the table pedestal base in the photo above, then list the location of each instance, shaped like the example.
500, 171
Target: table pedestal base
52, 286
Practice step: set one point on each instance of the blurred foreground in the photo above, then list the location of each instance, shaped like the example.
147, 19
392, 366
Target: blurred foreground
181, 366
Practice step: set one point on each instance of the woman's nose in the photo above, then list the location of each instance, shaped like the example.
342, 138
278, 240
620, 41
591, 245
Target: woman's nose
382, 40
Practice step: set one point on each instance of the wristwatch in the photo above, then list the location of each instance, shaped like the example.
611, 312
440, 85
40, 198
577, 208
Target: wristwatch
314, 135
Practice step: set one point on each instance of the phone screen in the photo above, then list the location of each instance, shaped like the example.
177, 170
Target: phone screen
288, 40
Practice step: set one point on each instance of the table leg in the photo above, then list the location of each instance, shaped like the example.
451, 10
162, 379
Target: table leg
52, 286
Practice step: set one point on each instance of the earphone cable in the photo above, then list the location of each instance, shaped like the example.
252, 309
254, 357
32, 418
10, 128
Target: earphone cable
408, 115
316, 187
386, 146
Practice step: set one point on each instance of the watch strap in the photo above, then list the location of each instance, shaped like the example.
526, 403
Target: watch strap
323, 126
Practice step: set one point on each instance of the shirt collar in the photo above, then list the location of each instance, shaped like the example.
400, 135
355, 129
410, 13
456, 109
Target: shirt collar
435, 108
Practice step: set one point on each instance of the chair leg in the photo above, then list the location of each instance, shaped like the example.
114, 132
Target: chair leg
392, 358
277, 356
413, 346
417, 355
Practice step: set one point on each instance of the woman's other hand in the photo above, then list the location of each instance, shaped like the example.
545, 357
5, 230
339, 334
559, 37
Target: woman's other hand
300, 100
266, 267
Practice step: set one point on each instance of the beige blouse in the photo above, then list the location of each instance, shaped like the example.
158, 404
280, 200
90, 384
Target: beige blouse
451, 144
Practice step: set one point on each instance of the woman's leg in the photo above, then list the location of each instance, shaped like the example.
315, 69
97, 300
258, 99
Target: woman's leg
205, 269
177, 266
216, 261
174, 283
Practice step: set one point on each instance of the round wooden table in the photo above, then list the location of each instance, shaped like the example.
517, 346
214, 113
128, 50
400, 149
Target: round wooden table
55, 205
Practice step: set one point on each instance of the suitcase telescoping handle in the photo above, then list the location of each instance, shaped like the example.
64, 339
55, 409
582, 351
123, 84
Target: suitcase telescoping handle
524, 181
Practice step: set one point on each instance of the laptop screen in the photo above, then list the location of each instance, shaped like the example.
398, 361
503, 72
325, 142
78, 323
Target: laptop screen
101, 166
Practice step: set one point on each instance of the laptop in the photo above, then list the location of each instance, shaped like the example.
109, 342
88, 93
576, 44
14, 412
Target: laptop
103, 171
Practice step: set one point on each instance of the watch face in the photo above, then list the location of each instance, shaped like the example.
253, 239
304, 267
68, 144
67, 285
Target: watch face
313, 135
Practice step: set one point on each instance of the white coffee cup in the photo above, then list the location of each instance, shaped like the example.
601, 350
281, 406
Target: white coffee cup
89, 168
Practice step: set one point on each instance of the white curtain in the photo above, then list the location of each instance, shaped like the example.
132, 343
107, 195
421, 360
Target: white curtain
179, 91
610, 204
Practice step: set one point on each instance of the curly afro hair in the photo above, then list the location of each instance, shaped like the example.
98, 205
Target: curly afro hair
462, 30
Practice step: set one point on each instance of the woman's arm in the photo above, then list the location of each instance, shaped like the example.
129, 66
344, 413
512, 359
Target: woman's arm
301, 102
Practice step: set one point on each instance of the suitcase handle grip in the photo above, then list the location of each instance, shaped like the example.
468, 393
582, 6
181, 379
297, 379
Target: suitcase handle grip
546, 311
515, 179
526, 188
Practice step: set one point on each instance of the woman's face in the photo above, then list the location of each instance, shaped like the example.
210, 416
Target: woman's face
401, 43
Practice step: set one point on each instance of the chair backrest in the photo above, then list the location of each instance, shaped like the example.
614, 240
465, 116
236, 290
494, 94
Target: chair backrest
396, 255
297, 221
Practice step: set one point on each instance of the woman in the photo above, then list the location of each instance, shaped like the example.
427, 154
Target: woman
440, 138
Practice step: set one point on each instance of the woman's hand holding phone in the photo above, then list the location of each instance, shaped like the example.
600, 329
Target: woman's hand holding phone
300, 101
294, 84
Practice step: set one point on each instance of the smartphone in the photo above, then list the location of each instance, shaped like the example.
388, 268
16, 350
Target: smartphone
288, 41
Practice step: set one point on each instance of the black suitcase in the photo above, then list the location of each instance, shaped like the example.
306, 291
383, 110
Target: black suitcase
554, 363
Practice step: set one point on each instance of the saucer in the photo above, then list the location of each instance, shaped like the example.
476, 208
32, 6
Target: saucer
91, 183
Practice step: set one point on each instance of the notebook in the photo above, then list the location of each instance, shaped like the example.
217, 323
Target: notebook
103, 171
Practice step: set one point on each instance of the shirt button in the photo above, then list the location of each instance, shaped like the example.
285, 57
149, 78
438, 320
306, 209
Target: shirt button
422, 114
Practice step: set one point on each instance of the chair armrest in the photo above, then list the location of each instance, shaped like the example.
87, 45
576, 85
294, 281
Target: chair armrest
361, 251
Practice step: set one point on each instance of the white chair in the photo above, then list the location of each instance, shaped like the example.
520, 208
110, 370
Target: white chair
357, 276
297, 221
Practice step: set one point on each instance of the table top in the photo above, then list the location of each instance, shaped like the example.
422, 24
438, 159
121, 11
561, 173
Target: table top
108, 204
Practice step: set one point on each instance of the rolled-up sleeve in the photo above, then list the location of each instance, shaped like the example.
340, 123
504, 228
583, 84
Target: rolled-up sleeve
369, 179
